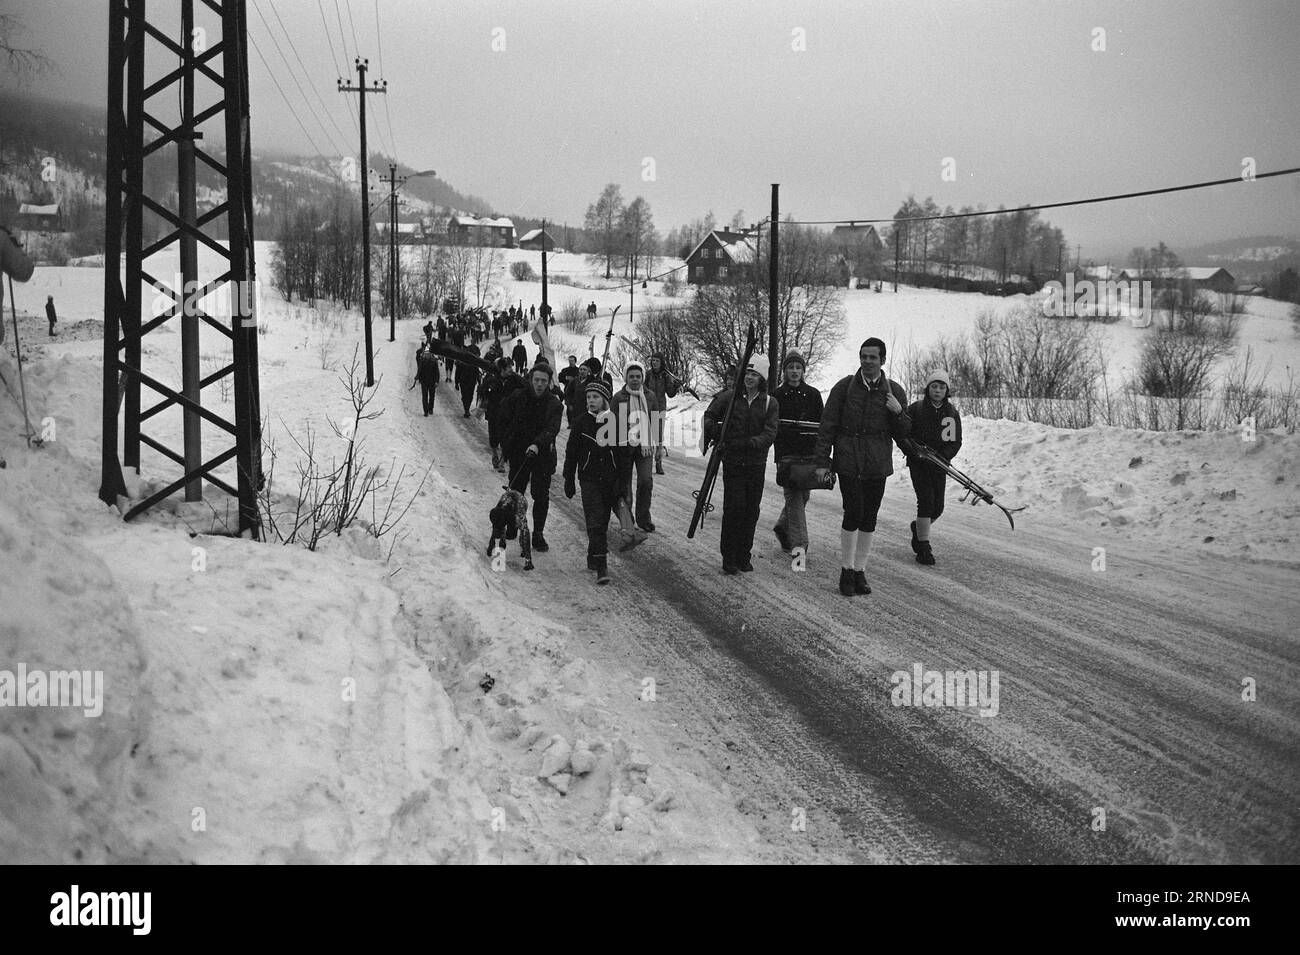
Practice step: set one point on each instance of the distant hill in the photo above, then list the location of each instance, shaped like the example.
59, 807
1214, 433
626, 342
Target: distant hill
32, 128
1252, 258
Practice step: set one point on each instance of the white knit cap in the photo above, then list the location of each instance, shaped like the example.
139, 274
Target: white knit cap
759, 364
939, 374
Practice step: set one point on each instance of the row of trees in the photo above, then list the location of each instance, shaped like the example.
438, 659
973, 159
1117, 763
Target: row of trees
980, 247
622, 233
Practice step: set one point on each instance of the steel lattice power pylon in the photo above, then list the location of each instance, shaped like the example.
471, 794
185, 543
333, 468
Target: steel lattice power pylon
179, 56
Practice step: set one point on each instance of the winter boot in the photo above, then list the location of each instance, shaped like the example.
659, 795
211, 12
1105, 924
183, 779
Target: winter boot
602, 570
539, 543
631, 539
846, 582
782, 537
860, 585
916, 541
924, 555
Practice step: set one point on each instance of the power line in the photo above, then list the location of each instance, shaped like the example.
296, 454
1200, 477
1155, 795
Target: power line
298, 118
379, 34
1050, 205
293, 76
355, 45
307, 73
329, 38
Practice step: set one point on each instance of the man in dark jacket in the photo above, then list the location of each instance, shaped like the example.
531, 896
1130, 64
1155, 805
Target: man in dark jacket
575, 400
467, 377
530, 420
496, 387
796, 440
936, 424
50, 314
864, 415
426, 373
664, 384
520, 354
750, 432
568, 373
635, 410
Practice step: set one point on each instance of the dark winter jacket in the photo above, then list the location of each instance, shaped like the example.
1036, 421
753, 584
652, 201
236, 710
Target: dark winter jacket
800, 402
519, 355
527, 419
585, 458
426, 367
621, 406
467, 375
567, 373
858, 428
661, 383
752, 428
928, 426
496, 388
575, 400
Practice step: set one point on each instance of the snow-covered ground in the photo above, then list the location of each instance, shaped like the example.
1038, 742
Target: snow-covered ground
264, 703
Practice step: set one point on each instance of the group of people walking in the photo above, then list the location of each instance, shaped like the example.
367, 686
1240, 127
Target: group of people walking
614, 448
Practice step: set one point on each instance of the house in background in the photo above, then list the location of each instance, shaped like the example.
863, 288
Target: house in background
1205, 279
721, 256
471, 230
537, 240
859, 251
33, 218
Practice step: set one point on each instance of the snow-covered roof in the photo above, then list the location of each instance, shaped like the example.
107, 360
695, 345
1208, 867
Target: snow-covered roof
1195, 273
533, 234
737, 245
27, 209
474, 222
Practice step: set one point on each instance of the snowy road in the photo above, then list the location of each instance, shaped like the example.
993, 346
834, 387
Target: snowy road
1120, 690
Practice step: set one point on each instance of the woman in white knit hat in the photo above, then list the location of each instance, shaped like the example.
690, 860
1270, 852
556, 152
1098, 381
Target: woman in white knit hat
936, 424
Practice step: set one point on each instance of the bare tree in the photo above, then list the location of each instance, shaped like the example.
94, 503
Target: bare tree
21, 61
603, 225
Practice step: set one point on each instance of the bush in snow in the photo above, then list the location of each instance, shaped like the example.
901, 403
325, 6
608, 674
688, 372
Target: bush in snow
522, 271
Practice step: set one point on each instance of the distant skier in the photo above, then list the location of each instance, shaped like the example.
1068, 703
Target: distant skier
936, 424
750, 432
50, 314
799, 401
863, 412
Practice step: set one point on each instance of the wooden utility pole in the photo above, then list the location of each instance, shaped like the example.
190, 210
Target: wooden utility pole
773, 278
393, 180
897, 238
545, 320
362, 89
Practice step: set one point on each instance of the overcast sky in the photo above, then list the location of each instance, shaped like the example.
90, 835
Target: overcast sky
719, 96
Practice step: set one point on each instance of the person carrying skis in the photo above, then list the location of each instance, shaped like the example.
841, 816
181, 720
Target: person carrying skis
750, 432
467, 376
800, 402
664, 385
635, 410
937, 425
863, 414
593, 464
426, 373
530, 420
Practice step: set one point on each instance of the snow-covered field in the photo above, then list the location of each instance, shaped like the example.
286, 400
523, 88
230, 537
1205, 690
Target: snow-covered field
263, 703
